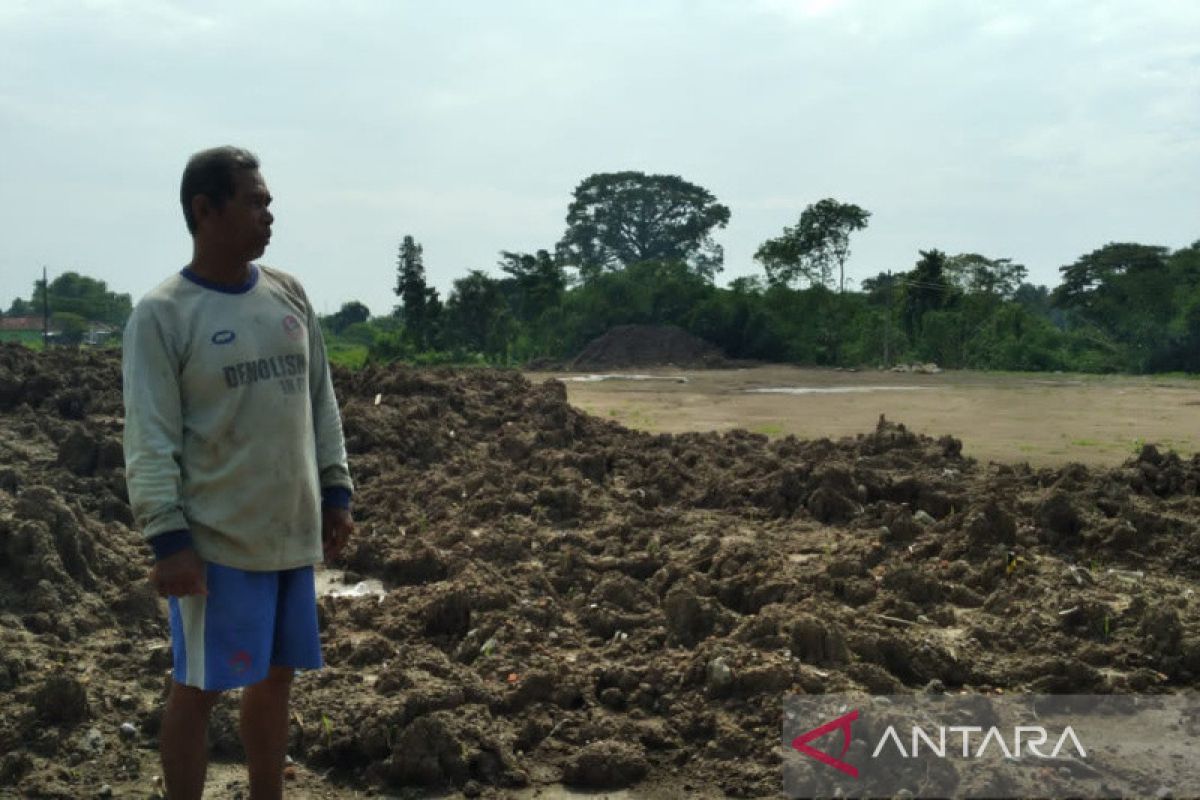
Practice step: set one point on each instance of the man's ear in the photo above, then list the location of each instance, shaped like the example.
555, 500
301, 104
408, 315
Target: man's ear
202, 208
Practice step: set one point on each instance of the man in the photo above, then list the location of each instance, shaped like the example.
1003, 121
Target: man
236, 471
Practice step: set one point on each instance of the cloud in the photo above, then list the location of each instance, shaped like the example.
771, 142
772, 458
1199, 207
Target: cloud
802, 9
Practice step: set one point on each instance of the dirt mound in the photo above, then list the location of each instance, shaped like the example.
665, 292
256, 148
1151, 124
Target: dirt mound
646, 346
567, 600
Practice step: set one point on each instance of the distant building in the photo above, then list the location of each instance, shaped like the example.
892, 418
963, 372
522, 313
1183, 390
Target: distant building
23, 324
98, 333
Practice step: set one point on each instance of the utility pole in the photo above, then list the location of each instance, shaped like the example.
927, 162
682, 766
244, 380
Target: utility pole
887, 322
45, 308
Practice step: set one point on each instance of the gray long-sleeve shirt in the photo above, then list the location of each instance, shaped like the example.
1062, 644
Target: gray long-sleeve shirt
231, 425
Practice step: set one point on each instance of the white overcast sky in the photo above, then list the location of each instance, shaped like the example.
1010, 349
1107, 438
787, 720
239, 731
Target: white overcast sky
1037, 130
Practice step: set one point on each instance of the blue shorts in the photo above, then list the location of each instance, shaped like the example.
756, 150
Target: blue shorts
249, 622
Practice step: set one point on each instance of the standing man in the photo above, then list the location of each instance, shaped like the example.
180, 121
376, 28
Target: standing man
236, 470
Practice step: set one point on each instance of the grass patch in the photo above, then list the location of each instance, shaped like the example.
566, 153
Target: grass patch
768, 429
633, 417
352, 356
31, 339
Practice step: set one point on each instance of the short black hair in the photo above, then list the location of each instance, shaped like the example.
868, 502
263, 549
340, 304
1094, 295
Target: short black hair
212, 173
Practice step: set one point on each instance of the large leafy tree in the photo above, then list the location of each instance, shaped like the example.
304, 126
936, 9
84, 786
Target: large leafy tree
350, 313
1105, 277
621, 218
419, 305
84, 297
539, 281
478, 315
925, 290
818, 242
1123, 291
1182, 350
976, 274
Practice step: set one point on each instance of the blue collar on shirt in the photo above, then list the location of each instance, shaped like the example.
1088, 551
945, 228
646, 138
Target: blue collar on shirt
224, 288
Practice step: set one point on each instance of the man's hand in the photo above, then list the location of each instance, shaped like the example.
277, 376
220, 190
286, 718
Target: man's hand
179, 575
336, 527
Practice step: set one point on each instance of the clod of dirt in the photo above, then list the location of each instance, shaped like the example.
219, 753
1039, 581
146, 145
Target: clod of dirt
79, 453
718, 676
991, 525
689, 618
61, 700
814, 641
1163, 629
606, 764
831, 507
447, 749
13, 766
900, 526
1059, 518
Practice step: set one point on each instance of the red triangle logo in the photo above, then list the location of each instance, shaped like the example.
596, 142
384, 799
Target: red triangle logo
800, 743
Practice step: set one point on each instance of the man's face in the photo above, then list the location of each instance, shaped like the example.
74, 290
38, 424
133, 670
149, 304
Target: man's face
243, 225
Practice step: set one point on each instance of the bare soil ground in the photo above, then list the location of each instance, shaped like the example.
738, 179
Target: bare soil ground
647, 345
569, 602
1043, 419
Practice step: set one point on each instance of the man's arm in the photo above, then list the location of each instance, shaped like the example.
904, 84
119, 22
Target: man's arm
336, 486
153, 443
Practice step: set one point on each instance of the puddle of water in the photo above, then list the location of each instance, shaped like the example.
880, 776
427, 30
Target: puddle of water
834, 389
618, 377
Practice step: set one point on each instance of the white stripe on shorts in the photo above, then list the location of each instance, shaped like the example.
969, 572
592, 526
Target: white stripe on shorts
192, 611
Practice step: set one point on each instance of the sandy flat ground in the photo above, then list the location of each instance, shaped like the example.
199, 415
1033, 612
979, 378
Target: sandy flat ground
1042, 418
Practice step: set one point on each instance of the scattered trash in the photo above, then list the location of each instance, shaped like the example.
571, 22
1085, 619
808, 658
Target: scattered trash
1127, 575
378, 399
920, 369
1082, 576
368, 588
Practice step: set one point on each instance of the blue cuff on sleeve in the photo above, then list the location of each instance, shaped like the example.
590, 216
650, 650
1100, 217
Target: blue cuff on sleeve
335, 497
170, 543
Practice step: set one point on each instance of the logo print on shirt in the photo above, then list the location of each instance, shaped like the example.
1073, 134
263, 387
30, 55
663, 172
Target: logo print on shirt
223, 337
292, 327
239, 662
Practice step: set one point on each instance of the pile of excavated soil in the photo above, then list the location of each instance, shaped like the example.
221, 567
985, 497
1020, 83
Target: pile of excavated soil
628, 346
570, 601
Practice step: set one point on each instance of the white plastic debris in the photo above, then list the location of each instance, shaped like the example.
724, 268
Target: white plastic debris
1127, 575
367, 588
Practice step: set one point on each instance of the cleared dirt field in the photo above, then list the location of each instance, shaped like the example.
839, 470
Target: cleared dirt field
539, 598
1043, 419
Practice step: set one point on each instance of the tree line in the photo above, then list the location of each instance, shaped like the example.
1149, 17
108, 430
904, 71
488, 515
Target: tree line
75, 302
639, 248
